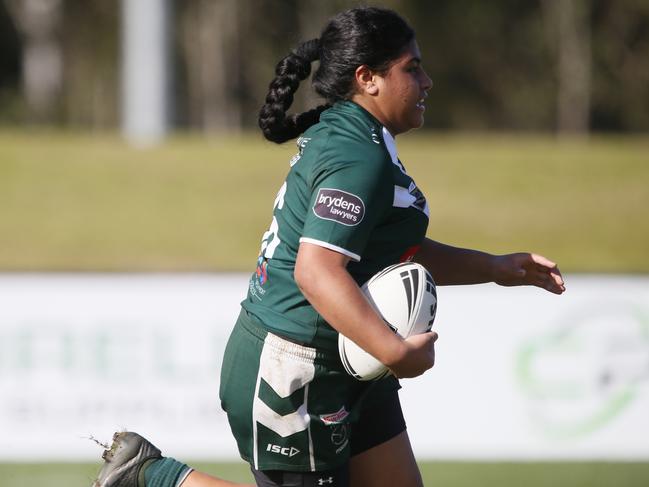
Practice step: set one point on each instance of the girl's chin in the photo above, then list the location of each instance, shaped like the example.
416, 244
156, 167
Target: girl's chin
417, 122
414, 122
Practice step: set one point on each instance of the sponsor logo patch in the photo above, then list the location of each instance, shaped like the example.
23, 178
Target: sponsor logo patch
334, 418
286, 451
339, 206
262, 272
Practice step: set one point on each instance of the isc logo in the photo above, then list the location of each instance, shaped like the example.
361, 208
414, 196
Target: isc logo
286, 451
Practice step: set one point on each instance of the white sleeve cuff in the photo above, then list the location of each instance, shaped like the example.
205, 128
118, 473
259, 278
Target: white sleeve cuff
329, 246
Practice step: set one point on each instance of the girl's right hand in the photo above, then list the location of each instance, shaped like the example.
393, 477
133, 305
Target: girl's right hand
417, 356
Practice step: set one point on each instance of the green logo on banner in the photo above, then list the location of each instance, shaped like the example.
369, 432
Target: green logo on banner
585, 373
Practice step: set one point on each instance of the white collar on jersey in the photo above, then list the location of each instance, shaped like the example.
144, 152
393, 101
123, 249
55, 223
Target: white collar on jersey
391, 145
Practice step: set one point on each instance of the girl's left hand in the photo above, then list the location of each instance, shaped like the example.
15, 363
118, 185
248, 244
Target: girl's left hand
522, 269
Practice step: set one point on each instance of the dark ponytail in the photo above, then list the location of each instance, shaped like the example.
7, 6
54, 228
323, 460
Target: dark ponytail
361, 36
276, 125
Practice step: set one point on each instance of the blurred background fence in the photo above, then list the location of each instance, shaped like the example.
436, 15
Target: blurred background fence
546, 65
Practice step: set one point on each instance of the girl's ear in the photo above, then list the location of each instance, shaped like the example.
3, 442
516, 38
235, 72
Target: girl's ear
366, 80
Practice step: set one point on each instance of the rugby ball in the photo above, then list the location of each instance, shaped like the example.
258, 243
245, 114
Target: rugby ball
405, 297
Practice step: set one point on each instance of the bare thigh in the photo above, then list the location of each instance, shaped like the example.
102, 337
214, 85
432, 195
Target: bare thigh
389, 464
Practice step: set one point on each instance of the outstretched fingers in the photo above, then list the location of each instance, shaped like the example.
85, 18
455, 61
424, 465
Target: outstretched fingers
547, 275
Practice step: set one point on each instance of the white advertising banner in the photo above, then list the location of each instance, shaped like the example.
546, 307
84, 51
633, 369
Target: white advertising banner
520, 373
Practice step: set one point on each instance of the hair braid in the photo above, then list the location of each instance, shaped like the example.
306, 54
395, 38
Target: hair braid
274, 122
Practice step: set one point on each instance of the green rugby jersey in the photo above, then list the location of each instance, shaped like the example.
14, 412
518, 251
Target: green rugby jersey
347, 191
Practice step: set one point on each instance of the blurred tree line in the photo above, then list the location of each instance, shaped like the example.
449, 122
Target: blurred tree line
569, 66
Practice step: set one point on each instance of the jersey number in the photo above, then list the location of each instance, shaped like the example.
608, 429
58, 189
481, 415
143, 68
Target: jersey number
270, 240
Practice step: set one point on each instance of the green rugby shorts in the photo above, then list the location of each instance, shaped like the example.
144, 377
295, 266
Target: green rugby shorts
293, 407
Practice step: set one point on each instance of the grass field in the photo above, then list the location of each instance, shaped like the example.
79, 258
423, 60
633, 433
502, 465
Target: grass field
73, 202
442, 474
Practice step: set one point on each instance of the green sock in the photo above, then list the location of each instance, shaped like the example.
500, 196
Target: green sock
162, 472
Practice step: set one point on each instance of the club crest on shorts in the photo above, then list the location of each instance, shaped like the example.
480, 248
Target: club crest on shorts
339, 206
339, 436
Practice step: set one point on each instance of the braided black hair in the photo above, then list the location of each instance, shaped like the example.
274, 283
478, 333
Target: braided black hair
276, 125
361, 36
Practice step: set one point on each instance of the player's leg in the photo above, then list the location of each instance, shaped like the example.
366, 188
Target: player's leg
133, 461
381, 455
200, 479
386, 465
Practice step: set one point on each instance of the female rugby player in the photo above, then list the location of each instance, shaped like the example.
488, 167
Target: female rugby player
346, 210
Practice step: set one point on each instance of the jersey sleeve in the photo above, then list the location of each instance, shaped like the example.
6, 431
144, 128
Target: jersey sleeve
348, 199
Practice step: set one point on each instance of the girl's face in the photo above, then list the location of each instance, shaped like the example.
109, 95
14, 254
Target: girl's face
400, 93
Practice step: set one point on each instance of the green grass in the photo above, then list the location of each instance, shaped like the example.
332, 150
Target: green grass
81, 202
83, 474
443, 474
539, 474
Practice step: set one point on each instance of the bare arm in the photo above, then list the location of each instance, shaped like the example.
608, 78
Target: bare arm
452, 265
322, 277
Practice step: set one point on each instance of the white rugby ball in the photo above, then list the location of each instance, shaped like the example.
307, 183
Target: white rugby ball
405, 297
